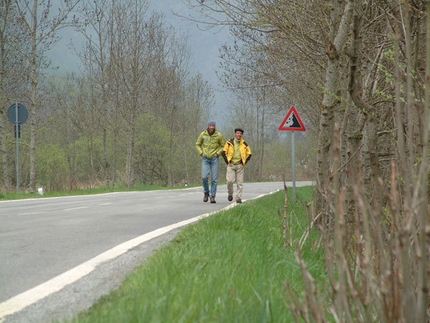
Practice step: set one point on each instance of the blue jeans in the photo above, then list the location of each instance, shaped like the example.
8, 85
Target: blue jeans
210, 166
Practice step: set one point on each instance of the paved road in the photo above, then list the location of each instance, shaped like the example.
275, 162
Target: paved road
59, 255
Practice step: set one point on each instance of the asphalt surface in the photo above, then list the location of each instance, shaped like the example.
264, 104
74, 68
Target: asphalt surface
58, 256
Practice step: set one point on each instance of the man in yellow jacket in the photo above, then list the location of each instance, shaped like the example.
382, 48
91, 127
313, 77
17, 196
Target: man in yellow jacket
209, 145
236, 154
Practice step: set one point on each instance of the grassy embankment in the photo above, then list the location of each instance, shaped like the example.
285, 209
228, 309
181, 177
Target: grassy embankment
230, 267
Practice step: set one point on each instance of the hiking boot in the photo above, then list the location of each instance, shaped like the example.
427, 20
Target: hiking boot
230, 197
238, 200
213, 199
206, 197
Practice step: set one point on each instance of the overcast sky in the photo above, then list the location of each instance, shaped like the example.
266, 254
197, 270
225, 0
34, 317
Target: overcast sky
204, 47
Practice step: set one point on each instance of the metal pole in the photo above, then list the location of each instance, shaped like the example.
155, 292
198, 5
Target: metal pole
293, 161
17, 146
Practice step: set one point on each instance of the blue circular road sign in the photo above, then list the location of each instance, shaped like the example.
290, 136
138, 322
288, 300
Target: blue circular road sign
22, 113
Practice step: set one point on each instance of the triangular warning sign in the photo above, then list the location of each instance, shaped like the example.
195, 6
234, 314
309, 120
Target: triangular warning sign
292, 121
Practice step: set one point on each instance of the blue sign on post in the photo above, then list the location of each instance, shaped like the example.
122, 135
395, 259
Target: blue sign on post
17, 114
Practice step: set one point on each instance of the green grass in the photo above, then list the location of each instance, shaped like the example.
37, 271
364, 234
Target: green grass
230, 267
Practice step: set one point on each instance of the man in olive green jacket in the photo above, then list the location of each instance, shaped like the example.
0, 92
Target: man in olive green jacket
209, 145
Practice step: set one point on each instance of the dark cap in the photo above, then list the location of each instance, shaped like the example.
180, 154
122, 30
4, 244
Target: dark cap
239, 129
211, 123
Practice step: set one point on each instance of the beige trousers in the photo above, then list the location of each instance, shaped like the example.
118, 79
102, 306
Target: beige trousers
235, 174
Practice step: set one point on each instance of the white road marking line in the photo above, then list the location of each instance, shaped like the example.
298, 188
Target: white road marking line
76, 208
32, 213
31, 296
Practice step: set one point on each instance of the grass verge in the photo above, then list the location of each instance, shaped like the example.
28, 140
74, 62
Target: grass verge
230, 267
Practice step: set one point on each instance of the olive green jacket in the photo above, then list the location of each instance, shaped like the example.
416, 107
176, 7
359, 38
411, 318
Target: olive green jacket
210, 145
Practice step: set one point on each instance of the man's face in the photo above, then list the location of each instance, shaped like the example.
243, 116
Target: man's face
211, 129
238, 135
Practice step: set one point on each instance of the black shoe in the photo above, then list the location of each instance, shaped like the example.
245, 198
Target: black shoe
238, 200
213, 199
230, 197
206, 197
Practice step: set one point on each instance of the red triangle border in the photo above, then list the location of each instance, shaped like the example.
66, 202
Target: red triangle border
292, 111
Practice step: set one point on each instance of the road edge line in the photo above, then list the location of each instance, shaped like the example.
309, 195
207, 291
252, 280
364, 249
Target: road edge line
35, 294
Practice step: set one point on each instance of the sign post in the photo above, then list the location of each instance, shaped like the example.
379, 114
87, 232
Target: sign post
293, 122
17, 114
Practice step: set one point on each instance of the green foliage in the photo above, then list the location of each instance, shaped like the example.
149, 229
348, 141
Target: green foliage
389, 54
86, 158
53, 169
152, 150
384, 95
278, 158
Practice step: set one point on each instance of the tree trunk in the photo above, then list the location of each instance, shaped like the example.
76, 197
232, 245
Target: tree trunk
106, 160
330, 105
3, 121
130, 157
5, 159
33, 103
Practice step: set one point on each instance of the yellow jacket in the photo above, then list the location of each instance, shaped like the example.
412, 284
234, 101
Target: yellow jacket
228, 152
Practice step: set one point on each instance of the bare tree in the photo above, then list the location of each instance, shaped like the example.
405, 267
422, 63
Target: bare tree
40, 27
372, 138
137, 67
13, 76
5, 9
